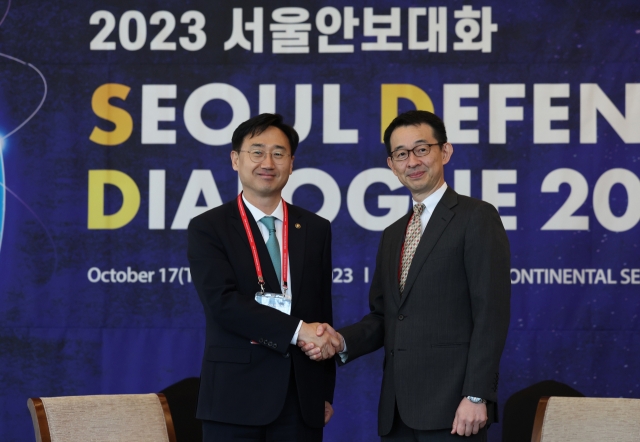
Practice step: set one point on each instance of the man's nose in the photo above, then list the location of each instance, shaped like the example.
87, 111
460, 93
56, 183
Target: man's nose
268, 162
413, 160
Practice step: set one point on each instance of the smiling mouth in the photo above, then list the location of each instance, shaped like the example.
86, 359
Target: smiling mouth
415, 174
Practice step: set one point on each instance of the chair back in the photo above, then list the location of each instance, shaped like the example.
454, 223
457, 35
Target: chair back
587, 419
112, 418
520, 408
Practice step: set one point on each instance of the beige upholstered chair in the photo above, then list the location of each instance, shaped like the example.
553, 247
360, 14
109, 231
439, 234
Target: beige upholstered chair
112, 418
587, 419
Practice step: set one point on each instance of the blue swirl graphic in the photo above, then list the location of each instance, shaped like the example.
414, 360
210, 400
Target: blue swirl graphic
3, 185
2, 193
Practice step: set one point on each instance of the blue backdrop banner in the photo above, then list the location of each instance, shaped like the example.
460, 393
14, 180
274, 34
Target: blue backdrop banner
115, 126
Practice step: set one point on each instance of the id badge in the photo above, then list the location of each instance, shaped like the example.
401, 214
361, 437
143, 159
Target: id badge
275, 300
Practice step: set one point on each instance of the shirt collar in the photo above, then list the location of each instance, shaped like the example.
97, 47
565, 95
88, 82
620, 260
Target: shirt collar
432, 200
259, 214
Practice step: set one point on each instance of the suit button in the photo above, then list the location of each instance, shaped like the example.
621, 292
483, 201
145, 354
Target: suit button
275, 345
270, 344
401, 317
391, 352
261, 341
286, 355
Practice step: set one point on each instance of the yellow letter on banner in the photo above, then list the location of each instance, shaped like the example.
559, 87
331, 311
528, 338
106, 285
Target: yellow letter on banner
120, 117
390, 93
98, 179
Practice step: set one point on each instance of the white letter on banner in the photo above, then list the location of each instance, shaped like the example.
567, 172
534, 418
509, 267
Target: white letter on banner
437, 29
462, 181
323, 181
267, 99
601, 194
156, 199
564, 218
336, 22
544, 113
141, 30
453, 113
331, 132
302, 124
398, 205
199, 181
500, 113
96, 273
592, 100
200, 97
491, 179
152, 113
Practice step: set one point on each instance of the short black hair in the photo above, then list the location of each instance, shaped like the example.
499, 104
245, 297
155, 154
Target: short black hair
416, 118
256, 125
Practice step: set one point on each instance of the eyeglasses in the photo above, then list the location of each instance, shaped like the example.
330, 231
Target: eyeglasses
258, 155
420, 150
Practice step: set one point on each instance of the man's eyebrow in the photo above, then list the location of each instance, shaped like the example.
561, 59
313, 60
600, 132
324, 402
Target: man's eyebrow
277, 146
402, 146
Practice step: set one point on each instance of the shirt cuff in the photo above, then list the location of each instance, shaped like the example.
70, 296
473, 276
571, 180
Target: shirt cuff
344, 354
294, 340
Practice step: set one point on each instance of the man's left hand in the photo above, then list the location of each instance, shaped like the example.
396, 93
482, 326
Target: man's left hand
469, 418
328, 412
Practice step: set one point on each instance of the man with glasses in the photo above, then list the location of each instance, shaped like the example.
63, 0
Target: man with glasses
439, 299
262, 269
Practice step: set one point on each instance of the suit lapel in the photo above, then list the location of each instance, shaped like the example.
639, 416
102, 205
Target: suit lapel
438, 222
396, 240
268, 272
296, 251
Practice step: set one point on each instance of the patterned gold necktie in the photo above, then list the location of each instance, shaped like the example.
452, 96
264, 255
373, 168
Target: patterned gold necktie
411, 240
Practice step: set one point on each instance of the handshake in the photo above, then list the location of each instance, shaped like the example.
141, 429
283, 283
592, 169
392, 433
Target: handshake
319, 341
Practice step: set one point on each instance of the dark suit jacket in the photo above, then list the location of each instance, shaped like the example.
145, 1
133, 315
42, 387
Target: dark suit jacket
244, 383
444, 337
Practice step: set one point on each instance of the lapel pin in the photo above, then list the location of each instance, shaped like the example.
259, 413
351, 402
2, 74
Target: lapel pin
298, 225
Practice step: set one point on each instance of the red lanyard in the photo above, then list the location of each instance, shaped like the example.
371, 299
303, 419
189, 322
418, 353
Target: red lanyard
254, 249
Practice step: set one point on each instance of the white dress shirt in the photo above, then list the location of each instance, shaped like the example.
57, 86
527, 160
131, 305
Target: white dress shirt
278, 214
430, 204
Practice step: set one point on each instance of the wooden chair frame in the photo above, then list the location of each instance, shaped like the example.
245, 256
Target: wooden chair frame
40, 422
536, 435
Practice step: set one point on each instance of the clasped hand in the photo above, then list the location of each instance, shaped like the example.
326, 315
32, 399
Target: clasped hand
319, 341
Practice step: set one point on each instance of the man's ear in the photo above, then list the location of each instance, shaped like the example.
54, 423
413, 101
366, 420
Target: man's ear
234, 159
390, 164
447, 151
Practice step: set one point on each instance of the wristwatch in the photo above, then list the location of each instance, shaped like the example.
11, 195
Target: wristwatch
476, 400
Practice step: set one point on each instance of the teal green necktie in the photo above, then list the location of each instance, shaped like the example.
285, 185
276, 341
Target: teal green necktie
272, 245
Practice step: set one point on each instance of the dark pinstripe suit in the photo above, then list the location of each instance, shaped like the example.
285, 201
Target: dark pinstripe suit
444, 337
